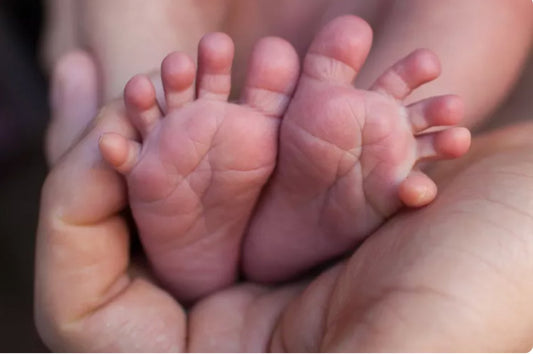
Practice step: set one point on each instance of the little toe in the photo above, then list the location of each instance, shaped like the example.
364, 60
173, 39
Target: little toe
436, 111
119, 152
446, 144
177, 75
414, 70
417, 190
141, 103
272, 75
339, 50
215, 57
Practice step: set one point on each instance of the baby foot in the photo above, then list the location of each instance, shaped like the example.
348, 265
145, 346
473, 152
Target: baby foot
195, 176
348, 157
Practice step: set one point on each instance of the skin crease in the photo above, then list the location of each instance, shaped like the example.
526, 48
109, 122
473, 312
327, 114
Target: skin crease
414, 270
191, 226
191, 211
415, 274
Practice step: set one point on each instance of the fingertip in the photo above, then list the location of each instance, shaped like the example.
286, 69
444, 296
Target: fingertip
74, 101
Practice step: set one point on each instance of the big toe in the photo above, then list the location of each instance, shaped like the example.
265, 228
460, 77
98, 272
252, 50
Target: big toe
272, 75
339, 50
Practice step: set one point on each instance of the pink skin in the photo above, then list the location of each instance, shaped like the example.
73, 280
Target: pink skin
457, 271
73, 80
347, 161
196, 174
348, 158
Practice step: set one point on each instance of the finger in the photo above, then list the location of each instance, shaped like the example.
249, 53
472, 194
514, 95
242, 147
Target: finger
74, 102
441, 270
84, 299
220, 318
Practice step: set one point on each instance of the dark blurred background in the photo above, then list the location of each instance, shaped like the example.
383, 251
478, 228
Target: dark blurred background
23, 118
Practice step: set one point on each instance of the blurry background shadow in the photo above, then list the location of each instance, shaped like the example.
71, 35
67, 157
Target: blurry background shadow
23, 117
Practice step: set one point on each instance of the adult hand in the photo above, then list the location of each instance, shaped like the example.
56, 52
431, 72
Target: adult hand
454, 276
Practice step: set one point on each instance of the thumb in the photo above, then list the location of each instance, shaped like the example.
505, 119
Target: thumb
73, 101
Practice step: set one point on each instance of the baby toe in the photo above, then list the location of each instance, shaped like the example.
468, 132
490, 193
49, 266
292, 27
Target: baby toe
417, 190
141, 104
445, 144
409, 73
435, 111
272, 75
215, 57
177, 75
